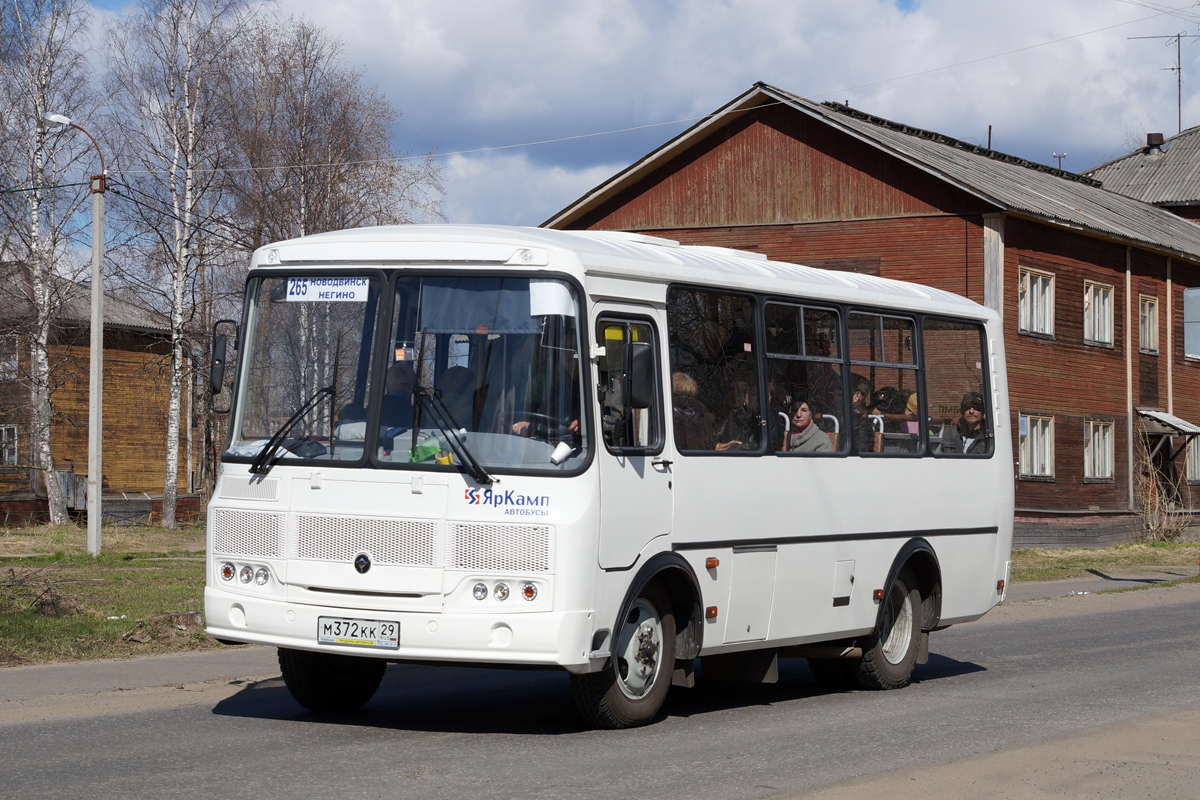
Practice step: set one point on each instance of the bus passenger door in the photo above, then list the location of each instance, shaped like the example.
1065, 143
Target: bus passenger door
635, 481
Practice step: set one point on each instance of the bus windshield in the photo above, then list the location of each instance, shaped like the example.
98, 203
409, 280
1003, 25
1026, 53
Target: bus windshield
475, 372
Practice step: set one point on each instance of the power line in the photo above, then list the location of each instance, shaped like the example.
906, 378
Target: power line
35, 188
113, 187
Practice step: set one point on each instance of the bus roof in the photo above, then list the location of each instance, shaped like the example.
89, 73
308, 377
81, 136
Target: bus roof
612, 254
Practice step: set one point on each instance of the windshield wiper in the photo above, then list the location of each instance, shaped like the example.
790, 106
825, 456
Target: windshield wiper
445, 423
262, 463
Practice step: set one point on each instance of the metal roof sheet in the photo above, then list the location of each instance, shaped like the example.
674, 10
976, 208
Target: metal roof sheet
1170, 420
76, 307
1021, 186
72, 303
1168, 177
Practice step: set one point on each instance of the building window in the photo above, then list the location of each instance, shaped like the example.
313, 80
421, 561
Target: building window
1193, 460
1036, 302
1098, 450
8, 445
1097, 313
1148, 324
1037, 446
8, 358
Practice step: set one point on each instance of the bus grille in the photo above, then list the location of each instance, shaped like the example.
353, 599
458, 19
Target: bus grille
248, 533
250, 488
405, 542
517, 548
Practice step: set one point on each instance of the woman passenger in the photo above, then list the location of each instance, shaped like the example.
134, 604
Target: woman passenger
804, 436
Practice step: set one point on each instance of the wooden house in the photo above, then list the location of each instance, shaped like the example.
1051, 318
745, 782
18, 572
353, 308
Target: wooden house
136, 372
1089, 283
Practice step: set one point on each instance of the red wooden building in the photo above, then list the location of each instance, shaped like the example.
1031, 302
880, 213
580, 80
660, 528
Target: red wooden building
1088, 282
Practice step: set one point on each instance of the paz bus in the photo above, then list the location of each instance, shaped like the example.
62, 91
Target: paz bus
636, 461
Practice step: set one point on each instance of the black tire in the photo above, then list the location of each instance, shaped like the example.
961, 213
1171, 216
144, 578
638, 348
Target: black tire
836, 674
890, 653
328, 682
631, 688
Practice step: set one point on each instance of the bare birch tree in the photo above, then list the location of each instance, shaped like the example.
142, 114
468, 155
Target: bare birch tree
314, 143
43, 70
164, 76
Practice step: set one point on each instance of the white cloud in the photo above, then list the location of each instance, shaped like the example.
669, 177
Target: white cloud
507, 189
479, 73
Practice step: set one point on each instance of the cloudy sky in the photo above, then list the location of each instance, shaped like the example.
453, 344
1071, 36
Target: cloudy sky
530, 103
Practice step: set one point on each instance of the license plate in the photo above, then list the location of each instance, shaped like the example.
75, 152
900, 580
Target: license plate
371, 633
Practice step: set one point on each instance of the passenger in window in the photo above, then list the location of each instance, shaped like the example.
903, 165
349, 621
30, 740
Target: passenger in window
740, 430
804, 436
693, 420
971, 435
864, 432
457, 390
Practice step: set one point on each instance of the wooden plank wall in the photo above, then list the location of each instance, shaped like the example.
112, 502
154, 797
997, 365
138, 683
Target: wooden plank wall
1075, 381
135, 419
776, 165
941, 251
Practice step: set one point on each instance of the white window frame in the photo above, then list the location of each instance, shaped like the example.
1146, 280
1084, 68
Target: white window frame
1036, 446
1192, 460
1147, 323
8, 445
1098, 450
1035, 300
9, 357
1097, 312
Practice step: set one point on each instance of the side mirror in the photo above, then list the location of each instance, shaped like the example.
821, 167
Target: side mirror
220, 396
216, 366
641, 375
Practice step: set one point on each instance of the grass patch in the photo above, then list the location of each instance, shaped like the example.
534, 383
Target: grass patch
72, 539
62, 607
1052, 564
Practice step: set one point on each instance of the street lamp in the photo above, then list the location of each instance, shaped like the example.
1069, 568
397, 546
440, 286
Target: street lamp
56, 122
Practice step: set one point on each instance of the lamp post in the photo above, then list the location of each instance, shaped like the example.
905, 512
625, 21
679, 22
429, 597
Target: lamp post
96, 356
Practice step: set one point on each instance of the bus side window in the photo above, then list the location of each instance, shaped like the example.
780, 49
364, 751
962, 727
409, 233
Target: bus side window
711, 341
883, 356
959, 419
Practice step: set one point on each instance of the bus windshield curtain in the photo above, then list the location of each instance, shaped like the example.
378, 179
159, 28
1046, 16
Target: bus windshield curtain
461, 305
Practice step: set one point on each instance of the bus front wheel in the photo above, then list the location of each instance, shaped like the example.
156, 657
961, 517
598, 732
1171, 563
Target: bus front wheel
329, 682
890, 653
631, 688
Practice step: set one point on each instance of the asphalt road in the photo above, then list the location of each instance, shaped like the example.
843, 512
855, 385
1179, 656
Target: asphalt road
1027, 675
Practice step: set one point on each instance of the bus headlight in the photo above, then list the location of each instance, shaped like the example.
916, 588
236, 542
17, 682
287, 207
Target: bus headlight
501, 591
529, 591
246, 575
228, 571
261, 576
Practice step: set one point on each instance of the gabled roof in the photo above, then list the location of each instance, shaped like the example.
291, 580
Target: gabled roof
1008, 183
76, 309
72, 302
1168, 175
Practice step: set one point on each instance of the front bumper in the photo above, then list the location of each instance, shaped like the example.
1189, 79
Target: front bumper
546, 639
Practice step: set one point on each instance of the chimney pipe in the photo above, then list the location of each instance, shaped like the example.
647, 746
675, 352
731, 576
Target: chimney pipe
1154, 143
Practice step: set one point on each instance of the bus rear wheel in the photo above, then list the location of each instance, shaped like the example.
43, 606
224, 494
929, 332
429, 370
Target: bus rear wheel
329, 682
890, 653
631, 688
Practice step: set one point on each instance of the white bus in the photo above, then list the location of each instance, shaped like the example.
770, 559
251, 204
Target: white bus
603, 452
